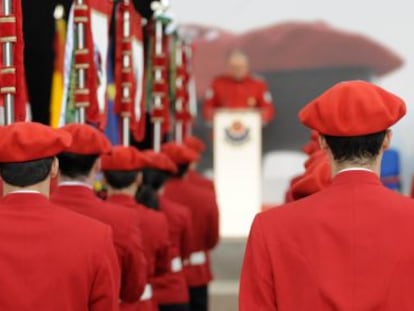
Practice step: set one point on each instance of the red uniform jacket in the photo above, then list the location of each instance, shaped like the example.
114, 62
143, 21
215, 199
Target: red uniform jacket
199, 180
251, 92
348, 247
52, 259
171, 288
205, 226
154, 228
127, 234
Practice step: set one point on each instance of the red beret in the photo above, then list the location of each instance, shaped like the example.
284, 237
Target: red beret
311, 147
353, 108
87, 140
180, 154
161, 161
29, 141
124, 159
315, 158
195, 144
312, 181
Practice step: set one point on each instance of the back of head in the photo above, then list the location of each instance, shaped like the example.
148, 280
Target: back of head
24, 174
120, 179
353, 119
28, 152
76, 166
155, 178
77, 160
356, 150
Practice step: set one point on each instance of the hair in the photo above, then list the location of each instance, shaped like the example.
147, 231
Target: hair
182, 170
356, 149
148, 197
155, 178
120, 179
74, 165
24, 174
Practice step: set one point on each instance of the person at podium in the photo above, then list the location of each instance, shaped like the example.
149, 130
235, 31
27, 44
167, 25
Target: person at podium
238, 89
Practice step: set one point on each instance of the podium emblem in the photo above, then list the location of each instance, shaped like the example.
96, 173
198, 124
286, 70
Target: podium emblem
237, 133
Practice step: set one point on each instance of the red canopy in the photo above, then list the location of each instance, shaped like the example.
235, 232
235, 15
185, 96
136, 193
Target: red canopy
289, 46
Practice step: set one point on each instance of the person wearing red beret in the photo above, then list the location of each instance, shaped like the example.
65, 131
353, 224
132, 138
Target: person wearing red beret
197, 145
79, 165
50, 258
170, 289
122, 169
205, 222
238, 89
348, 246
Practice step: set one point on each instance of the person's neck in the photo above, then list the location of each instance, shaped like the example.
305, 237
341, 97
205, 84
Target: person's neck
42, 188
343, 166
85, 179
129, 191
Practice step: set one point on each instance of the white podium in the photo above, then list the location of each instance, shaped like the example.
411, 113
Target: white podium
237, 169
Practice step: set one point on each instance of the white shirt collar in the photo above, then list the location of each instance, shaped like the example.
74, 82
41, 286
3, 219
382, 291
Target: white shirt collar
355, 169
24, 191
75, 183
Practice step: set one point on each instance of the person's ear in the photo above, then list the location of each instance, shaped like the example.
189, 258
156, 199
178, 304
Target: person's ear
54, 171
140, 178
322, 143
387, 140
97, 166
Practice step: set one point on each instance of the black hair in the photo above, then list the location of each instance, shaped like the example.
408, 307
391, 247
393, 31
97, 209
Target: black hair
155, 178
182, 170
24, 174
120, 179
356, 148
148, 197
74, 165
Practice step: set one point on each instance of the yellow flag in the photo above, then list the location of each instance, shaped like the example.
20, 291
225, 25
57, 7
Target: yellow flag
56, 95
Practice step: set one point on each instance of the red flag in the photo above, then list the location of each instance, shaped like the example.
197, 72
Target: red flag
94, 15
129, 68
13, 78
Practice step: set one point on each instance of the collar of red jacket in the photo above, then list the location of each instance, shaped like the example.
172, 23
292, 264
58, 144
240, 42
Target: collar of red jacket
75, 190
28, 200
122, 199
356, 177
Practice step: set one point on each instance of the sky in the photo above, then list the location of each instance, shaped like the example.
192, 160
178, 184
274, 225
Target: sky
388, 22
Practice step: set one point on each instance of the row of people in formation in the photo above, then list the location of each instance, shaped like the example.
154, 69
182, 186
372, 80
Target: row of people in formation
146, 247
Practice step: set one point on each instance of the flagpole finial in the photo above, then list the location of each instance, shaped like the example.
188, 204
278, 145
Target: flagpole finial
59, 12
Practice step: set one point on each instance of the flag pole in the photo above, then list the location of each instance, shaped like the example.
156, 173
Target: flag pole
159, 8
126, 66
8, 60
179, 84
158, 77
81, 76
192, 104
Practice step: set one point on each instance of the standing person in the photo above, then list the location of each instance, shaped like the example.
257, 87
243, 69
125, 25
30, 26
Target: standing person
204, 219
50, 258
170, 289
349, 246
238, 89
122, 170
198, 146
79, 165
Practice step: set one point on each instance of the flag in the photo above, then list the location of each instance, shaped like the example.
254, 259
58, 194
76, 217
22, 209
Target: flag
159, 88
95, 16
13, 78
129, 69
57, 78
